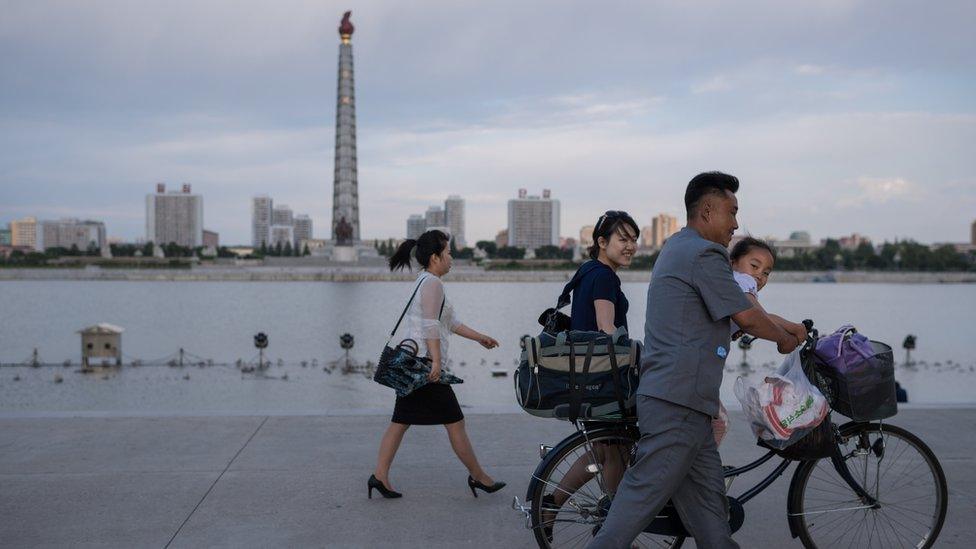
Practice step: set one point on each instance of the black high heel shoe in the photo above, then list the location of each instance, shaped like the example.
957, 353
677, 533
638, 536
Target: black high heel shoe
472, 483
384, 491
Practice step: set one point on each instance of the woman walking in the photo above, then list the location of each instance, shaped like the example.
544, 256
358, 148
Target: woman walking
430, 320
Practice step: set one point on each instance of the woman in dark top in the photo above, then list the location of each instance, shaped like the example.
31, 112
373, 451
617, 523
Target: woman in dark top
598, 302
599, 305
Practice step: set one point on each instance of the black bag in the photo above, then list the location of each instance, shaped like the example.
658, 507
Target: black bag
577, 374
863, 392
400, 368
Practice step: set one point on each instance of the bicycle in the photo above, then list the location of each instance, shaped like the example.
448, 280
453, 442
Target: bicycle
881, 486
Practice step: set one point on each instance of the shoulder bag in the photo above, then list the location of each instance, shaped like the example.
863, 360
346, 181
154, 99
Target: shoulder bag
400, 368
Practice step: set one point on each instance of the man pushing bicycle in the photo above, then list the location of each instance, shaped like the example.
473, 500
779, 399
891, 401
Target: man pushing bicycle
690, 302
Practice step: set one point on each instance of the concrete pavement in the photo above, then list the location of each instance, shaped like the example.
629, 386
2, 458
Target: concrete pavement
300, 481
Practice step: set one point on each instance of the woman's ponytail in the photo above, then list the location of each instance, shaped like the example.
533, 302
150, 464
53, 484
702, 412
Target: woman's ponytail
429, 244
401, 258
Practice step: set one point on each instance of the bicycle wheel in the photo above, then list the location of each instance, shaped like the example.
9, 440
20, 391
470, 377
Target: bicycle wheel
895, 468
602, 460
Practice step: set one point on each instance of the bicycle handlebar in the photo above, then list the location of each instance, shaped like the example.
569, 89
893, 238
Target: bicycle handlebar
812, 334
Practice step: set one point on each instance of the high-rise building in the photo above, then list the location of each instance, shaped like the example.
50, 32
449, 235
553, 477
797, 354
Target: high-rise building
454, 217
646, 240
282, 215
282, 234
5, 239
972, 234
211, 239
501, 238
23, 232
416, 225
345, 188
435, 217
533, 221
303, 229
261, 208
68, 233
662, 227
174, 217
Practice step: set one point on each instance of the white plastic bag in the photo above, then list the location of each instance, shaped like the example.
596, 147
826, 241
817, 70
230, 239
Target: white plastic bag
783, 407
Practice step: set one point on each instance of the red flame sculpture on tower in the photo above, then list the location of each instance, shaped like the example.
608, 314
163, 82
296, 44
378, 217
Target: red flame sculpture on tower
345, 27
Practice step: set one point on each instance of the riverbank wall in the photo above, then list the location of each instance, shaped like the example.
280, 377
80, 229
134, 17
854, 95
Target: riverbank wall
251, 273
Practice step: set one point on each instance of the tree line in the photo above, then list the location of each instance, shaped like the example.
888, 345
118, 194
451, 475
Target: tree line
906, 255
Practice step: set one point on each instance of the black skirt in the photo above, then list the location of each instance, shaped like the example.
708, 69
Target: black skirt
432, 404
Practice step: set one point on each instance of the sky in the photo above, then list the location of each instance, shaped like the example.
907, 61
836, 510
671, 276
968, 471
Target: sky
837, 116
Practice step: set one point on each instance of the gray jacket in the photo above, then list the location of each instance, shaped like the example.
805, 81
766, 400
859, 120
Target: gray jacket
686, 333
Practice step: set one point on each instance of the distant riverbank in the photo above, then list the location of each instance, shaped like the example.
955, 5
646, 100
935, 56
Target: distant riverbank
290, 273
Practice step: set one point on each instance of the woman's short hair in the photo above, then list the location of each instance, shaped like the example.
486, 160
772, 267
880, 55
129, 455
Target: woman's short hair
610, 222
429, 244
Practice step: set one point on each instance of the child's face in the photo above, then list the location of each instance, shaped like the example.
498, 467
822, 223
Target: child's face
757, 263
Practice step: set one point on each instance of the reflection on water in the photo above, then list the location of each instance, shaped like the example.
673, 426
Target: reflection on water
306, 371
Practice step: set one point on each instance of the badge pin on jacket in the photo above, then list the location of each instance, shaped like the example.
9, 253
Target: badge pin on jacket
721, 352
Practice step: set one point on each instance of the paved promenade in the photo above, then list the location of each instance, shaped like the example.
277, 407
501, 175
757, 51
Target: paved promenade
287, 481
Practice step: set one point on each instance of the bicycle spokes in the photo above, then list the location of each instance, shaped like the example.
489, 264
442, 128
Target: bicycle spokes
904, 485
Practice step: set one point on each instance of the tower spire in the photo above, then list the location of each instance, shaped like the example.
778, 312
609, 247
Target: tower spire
345, 197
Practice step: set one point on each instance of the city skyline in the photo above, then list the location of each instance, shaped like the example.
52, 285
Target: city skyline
266, 216
823, 132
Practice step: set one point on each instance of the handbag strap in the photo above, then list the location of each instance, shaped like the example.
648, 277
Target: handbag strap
617, 380
844, 332
584, 269
576, 395
409, 301
574, 404
404, 313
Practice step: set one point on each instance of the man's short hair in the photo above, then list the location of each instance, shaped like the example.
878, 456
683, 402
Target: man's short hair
708, 183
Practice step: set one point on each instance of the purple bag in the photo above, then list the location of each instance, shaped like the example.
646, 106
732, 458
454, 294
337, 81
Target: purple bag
845, 349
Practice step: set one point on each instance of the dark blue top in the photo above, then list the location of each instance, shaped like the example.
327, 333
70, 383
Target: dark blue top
598, 282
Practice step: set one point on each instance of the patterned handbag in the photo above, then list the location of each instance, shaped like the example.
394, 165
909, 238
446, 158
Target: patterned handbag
400, 368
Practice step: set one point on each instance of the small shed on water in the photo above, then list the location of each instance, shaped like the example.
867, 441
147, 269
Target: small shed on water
99, 343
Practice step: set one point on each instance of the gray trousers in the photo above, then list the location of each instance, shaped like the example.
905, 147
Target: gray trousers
677, 459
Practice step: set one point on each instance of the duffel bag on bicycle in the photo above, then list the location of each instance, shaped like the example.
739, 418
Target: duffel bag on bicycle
577, 374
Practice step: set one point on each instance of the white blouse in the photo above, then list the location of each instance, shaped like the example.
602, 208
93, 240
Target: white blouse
421, 322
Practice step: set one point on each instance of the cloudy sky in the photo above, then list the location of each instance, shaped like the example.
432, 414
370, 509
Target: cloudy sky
838, 116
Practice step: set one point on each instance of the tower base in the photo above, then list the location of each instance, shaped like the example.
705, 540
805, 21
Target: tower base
345, 254
356, 253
